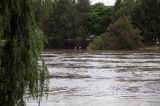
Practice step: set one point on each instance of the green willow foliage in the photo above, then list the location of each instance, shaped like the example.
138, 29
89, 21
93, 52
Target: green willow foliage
21, 71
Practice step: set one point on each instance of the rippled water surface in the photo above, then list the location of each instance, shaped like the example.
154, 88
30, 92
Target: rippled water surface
102, 78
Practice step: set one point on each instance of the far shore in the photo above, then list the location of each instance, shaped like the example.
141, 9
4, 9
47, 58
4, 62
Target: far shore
150, 48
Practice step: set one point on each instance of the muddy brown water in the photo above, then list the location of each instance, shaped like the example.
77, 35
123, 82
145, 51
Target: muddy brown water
102, 78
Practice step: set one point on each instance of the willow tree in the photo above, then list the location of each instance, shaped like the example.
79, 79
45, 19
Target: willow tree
21, 70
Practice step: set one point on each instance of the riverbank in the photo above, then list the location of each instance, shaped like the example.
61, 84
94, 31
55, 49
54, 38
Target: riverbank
152, 48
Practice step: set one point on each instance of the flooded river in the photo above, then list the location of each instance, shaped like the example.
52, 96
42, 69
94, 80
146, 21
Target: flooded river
102, 78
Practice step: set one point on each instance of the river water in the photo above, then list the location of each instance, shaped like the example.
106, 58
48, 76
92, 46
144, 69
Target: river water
102, 78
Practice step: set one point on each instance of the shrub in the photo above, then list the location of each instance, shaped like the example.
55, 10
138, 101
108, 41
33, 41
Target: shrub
121, 35
99, 43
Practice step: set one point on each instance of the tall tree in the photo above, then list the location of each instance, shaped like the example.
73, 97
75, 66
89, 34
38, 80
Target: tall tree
146, 17
99, 18
83, 7
60, 26
20, 71
123, 8
67, 24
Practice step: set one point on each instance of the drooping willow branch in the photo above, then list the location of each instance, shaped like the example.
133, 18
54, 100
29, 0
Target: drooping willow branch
20, 70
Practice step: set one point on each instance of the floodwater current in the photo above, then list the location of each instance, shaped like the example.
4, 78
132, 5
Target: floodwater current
102, 78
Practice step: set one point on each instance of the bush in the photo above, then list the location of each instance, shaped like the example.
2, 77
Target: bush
121, 35
99, 43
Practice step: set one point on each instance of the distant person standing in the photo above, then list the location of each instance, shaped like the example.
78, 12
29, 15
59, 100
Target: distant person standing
80, 47
157, 42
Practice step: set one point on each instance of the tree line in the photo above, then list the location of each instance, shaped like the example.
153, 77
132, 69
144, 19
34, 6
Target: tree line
72, 22
75, 23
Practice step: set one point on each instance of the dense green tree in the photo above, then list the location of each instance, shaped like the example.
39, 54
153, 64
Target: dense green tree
59, 27
20, 71
146, 17
71, 22
123, 8
67, 24
99, 18
83, 7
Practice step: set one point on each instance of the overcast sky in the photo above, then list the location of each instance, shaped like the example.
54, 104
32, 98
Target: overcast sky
106, 2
